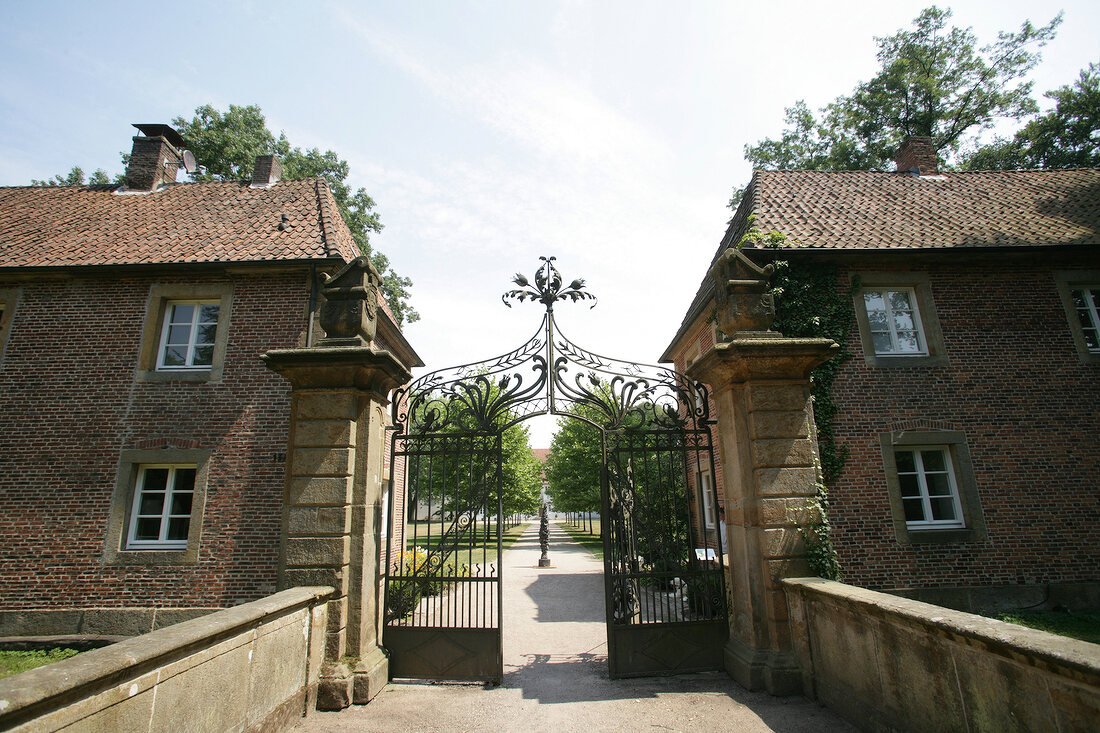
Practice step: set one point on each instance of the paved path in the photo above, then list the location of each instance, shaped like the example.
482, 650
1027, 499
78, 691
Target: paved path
555, 672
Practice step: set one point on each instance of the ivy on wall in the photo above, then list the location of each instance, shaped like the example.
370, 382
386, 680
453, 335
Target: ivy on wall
809, 304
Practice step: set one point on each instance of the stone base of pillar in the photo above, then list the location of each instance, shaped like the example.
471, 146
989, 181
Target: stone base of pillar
372, 673
763, 669
335, 689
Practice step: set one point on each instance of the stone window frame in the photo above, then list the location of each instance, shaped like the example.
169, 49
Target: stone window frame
920, 283
707, 498
954, 442
122, 507
9, 299
161, 296
1068, 281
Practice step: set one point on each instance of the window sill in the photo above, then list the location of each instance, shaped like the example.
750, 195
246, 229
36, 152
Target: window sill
153, 557
927, 360
939, 536
192, 375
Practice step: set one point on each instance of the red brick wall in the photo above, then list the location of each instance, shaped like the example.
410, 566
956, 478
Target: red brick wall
69, 403
1030, 411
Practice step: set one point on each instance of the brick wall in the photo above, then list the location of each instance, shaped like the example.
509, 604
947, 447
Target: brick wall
1030, 412
69, 403
1015, 386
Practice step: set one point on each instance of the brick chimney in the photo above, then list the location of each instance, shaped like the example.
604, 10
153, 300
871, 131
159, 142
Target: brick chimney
917, 155
268, 170
155, 157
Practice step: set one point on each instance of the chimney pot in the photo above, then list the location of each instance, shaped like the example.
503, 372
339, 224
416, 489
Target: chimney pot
917, 153
268, 170
154, 160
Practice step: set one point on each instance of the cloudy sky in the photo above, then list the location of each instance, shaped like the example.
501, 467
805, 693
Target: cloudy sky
608, 134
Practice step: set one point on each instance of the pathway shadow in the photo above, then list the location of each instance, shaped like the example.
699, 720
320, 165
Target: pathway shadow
570, 597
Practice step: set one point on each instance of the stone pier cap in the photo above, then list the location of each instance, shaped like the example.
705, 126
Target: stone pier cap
766, 356
360, 367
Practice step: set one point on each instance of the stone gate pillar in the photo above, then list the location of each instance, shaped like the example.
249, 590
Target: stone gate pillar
333, 498
768, 447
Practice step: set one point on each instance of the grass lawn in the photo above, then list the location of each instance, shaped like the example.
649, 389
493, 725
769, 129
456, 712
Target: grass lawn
12, 662
1084, 625
580, 533
465, 554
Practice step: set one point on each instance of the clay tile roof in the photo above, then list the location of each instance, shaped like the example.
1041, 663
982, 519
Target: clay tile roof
185, 222
877, 211
873, 210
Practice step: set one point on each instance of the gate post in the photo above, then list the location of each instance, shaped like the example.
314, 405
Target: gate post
332, 503
770, 468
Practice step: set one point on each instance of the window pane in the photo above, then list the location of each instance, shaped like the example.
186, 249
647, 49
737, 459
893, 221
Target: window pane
155, 479
1095, 298
204, 356
943, 508
185, 479
181, 503
914, 510
177, 529
183, 313
1092, 341
151, 503
877, 319
1078, 297
938, 485
206, 333
147, 529
909, 485
907, 341
933, 460
874, 301
175, 355
903, 321
179, 335
209, 313
899, 300
882, 342
905, 461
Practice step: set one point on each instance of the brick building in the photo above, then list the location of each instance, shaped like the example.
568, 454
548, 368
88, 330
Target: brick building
970, 405
142, 439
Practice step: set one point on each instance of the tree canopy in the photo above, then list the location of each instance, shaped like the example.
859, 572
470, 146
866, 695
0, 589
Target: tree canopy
226, 145
932, 81
573, 467
1066, 137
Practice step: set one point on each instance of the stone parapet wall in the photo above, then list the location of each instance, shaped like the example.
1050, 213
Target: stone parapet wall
252, 667
894, 664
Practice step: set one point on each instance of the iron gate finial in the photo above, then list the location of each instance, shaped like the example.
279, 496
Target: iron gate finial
547, 287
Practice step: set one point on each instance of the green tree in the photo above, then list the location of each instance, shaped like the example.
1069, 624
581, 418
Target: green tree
75, 177
574, 464
521, 472
1066, 137
226, 145
932, 81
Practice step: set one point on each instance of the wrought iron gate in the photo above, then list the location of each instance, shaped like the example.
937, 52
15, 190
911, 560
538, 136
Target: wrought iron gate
665, 600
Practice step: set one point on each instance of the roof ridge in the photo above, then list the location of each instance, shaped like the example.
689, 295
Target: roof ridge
325, 217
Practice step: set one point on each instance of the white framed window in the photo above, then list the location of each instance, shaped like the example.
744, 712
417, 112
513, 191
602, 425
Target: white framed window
188, 335
894, 322
706, 491
1086, 303
929, 491
160, 518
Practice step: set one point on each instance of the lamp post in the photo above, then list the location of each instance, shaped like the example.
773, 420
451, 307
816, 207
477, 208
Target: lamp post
544, 536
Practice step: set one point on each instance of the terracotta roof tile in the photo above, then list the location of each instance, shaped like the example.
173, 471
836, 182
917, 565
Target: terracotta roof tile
871, 210
185, 222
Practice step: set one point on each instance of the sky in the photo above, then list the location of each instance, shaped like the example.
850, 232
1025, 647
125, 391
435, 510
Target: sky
607, 134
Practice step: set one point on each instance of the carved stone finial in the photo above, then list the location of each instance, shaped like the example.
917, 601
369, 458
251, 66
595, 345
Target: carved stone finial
349, 315
741, 293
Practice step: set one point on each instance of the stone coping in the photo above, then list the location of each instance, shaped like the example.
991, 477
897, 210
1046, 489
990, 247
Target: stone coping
1018, 643
90, 672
